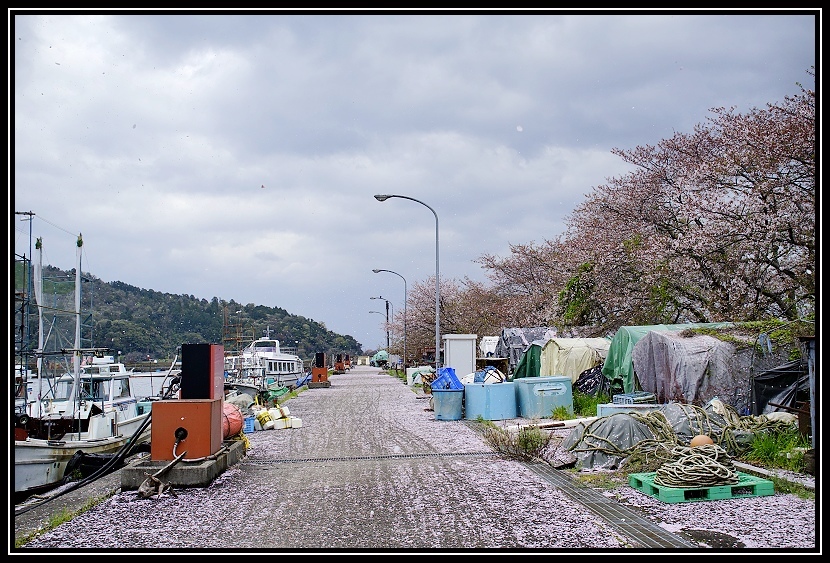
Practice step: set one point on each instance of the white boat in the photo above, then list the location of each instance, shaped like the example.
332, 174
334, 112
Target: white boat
156, 385
261, 368
90, 410
96, 415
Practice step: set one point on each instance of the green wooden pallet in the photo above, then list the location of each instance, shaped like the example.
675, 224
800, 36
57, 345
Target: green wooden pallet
747, 486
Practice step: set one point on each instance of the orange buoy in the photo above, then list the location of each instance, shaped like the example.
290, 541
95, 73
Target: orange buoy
700, 440
232, 420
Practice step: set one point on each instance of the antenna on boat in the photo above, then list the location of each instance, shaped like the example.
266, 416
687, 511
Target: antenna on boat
267, 331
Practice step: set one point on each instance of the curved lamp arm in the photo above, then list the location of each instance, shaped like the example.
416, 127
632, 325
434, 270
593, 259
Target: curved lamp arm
384, 197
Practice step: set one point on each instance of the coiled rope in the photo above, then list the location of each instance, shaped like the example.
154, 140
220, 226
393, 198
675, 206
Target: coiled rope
645, 451
707, 465
730, 431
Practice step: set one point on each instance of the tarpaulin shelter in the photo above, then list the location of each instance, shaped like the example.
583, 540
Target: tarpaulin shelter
787, 384
572, 356
693, 368
619, 367
514, 341
531, 361
380, 359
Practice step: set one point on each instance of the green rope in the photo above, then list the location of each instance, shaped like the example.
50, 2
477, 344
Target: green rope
731, 432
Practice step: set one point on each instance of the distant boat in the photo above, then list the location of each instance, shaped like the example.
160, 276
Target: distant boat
262, 370
93, 411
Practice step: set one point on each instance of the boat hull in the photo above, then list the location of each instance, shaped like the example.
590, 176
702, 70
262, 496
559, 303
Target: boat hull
41, 463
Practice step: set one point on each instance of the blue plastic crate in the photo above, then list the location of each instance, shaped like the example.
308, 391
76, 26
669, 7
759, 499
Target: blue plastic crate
446, 380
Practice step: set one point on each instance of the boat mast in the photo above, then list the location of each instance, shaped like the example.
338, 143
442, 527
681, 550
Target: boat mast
38, 274
76, 353
24, 347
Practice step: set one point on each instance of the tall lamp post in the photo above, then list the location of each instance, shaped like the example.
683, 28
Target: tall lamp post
384, 197
387, 319
404, 310
387, 332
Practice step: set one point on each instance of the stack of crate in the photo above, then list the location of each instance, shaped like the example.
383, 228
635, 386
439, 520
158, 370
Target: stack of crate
282, 418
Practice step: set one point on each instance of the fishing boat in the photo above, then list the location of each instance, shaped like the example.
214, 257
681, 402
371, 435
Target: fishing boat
156, 385
93, 411
89, 409
262, 369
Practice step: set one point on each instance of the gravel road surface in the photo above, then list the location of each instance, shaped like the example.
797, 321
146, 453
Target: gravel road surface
371, 470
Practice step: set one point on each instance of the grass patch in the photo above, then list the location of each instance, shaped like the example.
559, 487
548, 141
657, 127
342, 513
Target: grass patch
399, 373
601, 480
778, 450
290, 395
562, 413
585, 404
797, 489
59, 518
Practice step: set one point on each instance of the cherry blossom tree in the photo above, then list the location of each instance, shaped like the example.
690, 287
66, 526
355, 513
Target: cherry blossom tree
713, 225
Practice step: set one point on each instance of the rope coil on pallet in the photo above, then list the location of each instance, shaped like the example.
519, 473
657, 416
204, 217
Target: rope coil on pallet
643, 441
701, 466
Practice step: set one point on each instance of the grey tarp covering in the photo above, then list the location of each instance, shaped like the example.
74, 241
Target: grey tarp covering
692, 369
594, 443
572, 356
514, 341
618, 366
590, 442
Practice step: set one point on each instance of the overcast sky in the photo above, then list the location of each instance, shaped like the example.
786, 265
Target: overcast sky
236, 156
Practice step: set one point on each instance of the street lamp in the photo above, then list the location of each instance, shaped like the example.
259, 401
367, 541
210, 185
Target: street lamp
387, 322
387, 319
384, 197
404, 310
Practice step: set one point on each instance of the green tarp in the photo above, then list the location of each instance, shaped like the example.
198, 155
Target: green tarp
530, 362
619, 366
380, 359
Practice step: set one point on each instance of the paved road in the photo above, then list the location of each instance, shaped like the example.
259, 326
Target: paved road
369, 469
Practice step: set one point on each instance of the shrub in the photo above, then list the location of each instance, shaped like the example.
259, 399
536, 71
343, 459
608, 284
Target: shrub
528, 443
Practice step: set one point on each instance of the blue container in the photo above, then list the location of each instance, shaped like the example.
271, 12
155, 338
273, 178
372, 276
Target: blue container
491, 401
538, 397
447, 380
249, 424
447, 403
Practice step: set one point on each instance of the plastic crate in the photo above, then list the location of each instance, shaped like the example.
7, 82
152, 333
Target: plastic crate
634, 398
249, 424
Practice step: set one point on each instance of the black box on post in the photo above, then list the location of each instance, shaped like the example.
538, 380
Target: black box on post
203, 371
